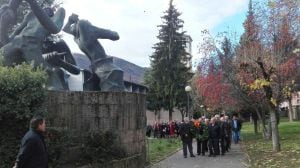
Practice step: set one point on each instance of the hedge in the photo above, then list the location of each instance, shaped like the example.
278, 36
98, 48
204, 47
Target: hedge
22, 94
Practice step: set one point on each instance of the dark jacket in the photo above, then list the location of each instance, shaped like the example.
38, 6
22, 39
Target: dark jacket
213, 131
185, 131
223, 129
229, 130
33, 152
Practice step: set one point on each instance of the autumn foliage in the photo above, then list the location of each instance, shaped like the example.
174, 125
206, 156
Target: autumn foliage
264, 65
215, 92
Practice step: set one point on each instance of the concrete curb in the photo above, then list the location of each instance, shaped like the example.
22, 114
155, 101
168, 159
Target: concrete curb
247, 158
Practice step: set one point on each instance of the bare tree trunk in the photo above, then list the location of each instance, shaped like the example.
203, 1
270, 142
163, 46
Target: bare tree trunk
262, 118
182, 114
295, 114
275, 132
158, 117
255, 126
266, 125
269, 130
290, 111
170, 115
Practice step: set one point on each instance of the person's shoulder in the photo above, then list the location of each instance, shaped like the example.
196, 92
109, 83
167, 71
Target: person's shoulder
30, 136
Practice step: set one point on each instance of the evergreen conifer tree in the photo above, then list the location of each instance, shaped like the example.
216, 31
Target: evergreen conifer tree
169, 62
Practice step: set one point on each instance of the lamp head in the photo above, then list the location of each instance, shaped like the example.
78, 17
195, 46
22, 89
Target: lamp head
188, 89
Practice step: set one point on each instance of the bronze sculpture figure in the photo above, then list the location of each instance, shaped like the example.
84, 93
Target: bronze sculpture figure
86, 36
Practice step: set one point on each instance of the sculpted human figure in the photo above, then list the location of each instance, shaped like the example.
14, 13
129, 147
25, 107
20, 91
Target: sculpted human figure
26, 45
8, 17
26, 41
86, 36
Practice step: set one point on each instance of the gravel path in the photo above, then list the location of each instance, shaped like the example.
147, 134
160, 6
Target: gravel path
232, 159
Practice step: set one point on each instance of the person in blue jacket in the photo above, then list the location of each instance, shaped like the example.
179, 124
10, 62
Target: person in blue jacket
236, 126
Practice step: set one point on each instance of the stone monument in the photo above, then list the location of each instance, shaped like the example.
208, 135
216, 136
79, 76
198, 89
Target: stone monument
103, 106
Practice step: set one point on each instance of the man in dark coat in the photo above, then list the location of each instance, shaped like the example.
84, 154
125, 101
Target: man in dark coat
33, 152
186, 137
229, 132
213, 138
223, 135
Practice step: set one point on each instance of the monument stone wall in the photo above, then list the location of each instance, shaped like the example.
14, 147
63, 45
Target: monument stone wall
122, 113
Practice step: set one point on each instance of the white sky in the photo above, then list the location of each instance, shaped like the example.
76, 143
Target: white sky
136, 22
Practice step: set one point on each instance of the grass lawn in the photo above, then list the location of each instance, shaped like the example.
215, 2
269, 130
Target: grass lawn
260, 150
160, 148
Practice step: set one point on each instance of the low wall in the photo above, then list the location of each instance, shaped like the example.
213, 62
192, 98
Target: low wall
123, 113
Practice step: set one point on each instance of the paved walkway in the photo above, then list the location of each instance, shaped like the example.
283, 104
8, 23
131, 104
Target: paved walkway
232, 159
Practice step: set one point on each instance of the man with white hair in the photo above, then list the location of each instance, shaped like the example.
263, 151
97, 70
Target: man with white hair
186, 137
213, 137
217, 117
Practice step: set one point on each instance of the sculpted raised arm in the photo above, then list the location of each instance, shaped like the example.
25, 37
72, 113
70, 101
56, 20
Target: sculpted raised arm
44, 19
105, 33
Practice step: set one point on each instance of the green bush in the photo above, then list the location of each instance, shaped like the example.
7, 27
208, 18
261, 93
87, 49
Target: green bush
22, 94
91, 148
57, 142
22, 91
101, 147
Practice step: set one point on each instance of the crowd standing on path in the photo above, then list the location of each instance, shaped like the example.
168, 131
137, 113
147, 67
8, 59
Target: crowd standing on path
214, 136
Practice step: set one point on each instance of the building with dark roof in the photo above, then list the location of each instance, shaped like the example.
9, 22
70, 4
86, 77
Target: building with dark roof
133, 74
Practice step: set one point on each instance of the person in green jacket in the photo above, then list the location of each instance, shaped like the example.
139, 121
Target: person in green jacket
202, 137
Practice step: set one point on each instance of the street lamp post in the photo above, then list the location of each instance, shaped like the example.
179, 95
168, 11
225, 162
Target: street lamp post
188, 89
202, 108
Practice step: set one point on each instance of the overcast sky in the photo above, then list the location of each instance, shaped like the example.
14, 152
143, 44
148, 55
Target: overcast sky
136, 22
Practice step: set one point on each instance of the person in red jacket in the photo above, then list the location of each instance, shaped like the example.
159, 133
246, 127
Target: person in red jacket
172, 129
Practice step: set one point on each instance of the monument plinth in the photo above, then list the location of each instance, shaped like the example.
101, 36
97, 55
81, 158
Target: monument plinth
81, 113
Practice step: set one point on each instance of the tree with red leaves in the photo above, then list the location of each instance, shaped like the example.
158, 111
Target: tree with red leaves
211, 82
215, 92
265, 55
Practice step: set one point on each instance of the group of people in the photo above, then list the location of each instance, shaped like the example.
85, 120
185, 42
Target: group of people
214, 136
163, 129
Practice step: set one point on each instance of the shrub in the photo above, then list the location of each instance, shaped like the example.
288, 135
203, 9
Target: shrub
91, 148
22, 94
101, 147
